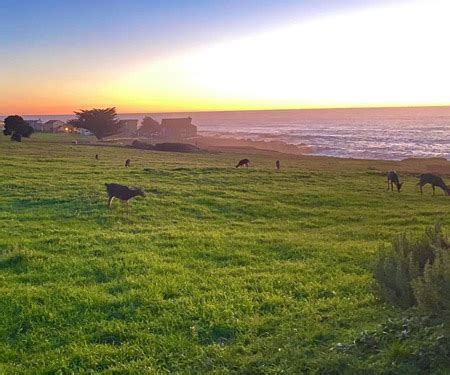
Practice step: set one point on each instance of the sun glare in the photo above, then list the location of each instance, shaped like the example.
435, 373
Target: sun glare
392, 55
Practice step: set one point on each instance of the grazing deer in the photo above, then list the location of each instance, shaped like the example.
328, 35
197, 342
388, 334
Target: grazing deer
277, 163
393, 179
127, 163
428, 178
242, 163
122, 192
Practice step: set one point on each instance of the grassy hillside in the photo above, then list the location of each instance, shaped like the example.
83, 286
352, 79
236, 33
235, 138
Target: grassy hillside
216, 270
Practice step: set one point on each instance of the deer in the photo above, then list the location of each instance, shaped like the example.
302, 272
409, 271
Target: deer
242, 163
393, 179
127, 163
122, 192
429, 178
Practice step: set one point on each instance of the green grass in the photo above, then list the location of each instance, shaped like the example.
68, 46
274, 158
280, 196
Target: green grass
217, 270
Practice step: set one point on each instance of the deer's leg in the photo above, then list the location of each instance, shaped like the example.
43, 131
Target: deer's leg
433, 188
110, 199
388, 184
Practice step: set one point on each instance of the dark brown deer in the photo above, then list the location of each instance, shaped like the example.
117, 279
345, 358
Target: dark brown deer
393, 179
242, 163
122, 192
428, 178
127, 163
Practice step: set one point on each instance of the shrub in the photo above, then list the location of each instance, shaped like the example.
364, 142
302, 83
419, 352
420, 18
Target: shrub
407, 260
176, 147
172, 147
142, 145
432, 290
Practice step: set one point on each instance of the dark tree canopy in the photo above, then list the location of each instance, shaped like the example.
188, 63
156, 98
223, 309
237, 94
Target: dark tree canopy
150, 126
101, 122
17, 127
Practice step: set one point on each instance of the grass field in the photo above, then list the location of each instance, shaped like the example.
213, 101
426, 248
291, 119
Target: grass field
217, 270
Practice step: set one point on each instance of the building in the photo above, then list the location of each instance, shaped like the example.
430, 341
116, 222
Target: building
128, 127
53, 126
178, 128
37, 125
84, 131
69, 129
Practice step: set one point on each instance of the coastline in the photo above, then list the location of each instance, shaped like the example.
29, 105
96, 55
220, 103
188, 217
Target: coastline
371, 133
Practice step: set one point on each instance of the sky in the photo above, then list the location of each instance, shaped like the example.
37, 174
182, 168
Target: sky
159, 56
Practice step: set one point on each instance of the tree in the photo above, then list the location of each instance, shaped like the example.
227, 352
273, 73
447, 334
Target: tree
17, 127
150, 127
101, 122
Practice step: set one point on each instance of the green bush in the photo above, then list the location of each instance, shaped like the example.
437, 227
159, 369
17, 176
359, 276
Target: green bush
404, 271
432, 290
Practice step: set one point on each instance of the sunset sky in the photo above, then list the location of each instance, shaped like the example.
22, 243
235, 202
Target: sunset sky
157, 56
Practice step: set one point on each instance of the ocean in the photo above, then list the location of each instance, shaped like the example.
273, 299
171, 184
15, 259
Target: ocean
375, 133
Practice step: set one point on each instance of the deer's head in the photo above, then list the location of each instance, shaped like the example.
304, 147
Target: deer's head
139, 191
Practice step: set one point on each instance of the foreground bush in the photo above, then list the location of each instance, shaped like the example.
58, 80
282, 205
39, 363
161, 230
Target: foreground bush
432, 290
415, 271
